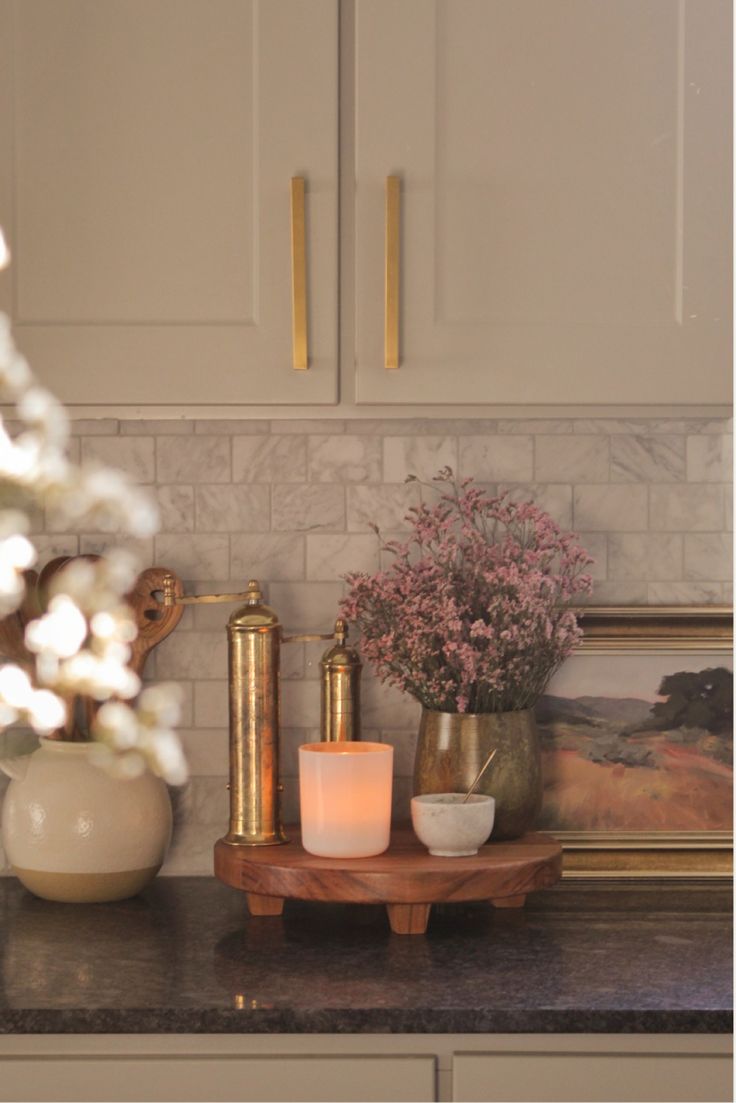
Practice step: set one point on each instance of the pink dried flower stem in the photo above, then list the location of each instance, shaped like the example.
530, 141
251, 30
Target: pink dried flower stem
474, 613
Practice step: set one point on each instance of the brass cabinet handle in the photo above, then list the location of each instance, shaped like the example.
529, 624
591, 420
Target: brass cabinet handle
298, 276
393, 226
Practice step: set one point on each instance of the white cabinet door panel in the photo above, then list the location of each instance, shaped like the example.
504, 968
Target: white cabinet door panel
565, 199
591, 1077
209, 1079
147, 168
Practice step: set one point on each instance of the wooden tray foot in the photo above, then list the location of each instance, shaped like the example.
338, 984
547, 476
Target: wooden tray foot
509, 902
264, 905
408, 918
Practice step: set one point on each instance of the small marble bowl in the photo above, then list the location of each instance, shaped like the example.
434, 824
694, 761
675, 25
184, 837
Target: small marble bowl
451, 827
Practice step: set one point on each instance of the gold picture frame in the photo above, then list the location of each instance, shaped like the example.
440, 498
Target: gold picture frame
660, 854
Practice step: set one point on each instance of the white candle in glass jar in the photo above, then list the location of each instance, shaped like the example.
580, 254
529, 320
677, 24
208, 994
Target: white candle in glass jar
345, 794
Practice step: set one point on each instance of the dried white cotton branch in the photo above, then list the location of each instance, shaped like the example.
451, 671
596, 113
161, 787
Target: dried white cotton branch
82, 642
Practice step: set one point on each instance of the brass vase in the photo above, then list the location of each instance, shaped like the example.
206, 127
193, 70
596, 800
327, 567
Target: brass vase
453, 746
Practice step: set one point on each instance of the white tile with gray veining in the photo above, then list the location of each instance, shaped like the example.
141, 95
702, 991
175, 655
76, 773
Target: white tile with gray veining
308, 425
102, 543
269, 557
684, 593
210, 703
176, 508
384, 506
404, 744
306, 606
647, 459
508, 459
644, 426
610, 508
300, 704
709, 459
192, 655
656, 556
577, 459
596, 545
686, 508
206, 751
235, 428
554, 498
222, 508
49, 545
617, 593
164, 427
330, 557
194, 557
133, 455
270, 459
315, 507
349, 458
387, 708
421, 457
101, 427
708, 556
198, 459
536, 426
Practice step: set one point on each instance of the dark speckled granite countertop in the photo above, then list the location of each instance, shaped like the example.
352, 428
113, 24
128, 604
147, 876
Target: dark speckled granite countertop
184, 957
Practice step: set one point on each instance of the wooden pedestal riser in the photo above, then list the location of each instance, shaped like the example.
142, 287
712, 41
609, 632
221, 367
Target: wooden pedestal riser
406, 878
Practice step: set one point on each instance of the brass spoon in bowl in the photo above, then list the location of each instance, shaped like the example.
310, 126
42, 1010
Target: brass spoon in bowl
479, 775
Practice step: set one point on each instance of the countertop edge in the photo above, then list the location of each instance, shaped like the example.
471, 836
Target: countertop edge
350, 1021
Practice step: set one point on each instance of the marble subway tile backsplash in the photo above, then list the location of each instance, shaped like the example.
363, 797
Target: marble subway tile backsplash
291, 503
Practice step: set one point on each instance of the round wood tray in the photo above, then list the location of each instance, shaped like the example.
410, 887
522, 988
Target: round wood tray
406, 878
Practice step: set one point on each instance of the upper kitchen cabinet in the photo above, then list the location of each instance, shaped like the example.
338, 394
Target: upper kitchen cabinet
564, 183
146, 157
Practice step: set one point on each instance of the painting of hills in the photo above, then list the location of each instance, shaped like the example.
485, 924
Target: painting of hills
638, 743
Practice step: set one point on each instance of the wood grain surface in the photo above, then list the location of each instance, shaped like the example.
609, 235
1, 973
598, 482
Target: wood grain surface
154, 622
406, 877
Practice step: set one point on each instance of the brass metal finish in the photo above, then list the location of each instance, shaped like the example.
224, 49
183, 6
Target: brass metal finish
453, 746
660, 628
340, 697
308, 637
171, 598
254, 649
627, 854
254, 641
298, 276
393, 270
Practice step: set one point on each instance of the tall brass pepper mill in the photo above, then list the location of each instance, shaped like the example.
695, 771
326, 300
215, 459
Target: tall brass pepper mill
254, 646
255, 636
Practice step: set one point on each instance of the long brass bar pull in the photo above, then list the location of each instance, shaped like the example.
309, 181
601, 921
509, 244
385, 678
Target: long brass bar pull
393, 229
298, 276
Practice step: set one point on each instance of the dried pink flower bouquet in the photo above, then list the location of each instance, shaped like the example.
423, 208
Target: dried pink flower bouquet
473, 615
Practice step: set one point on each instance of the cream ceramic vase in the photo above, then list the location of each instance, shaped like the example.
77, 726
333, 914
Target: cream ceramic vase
72, 832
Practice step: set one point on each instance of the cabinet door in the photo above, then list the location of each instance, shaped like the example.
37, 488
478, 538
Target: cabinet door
200, 1078
591, 1077
145, 188
565, 199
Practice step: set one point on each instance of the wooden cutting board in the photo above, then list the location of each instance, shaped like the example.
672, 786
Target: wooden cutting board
154, 622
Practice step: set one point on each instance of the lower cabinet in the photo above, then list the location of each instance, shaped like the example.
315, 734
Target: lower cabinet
571, 1076
428, 1067
223, 1077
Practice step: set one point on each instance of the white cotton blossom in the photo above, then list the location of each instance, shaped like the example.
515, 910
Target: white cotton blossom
81, 642
61, 631
22, 701
17, 554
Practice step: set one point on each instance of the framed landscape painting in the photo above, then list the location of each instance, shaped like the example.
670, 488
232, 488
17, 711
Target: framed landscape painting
636, 730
